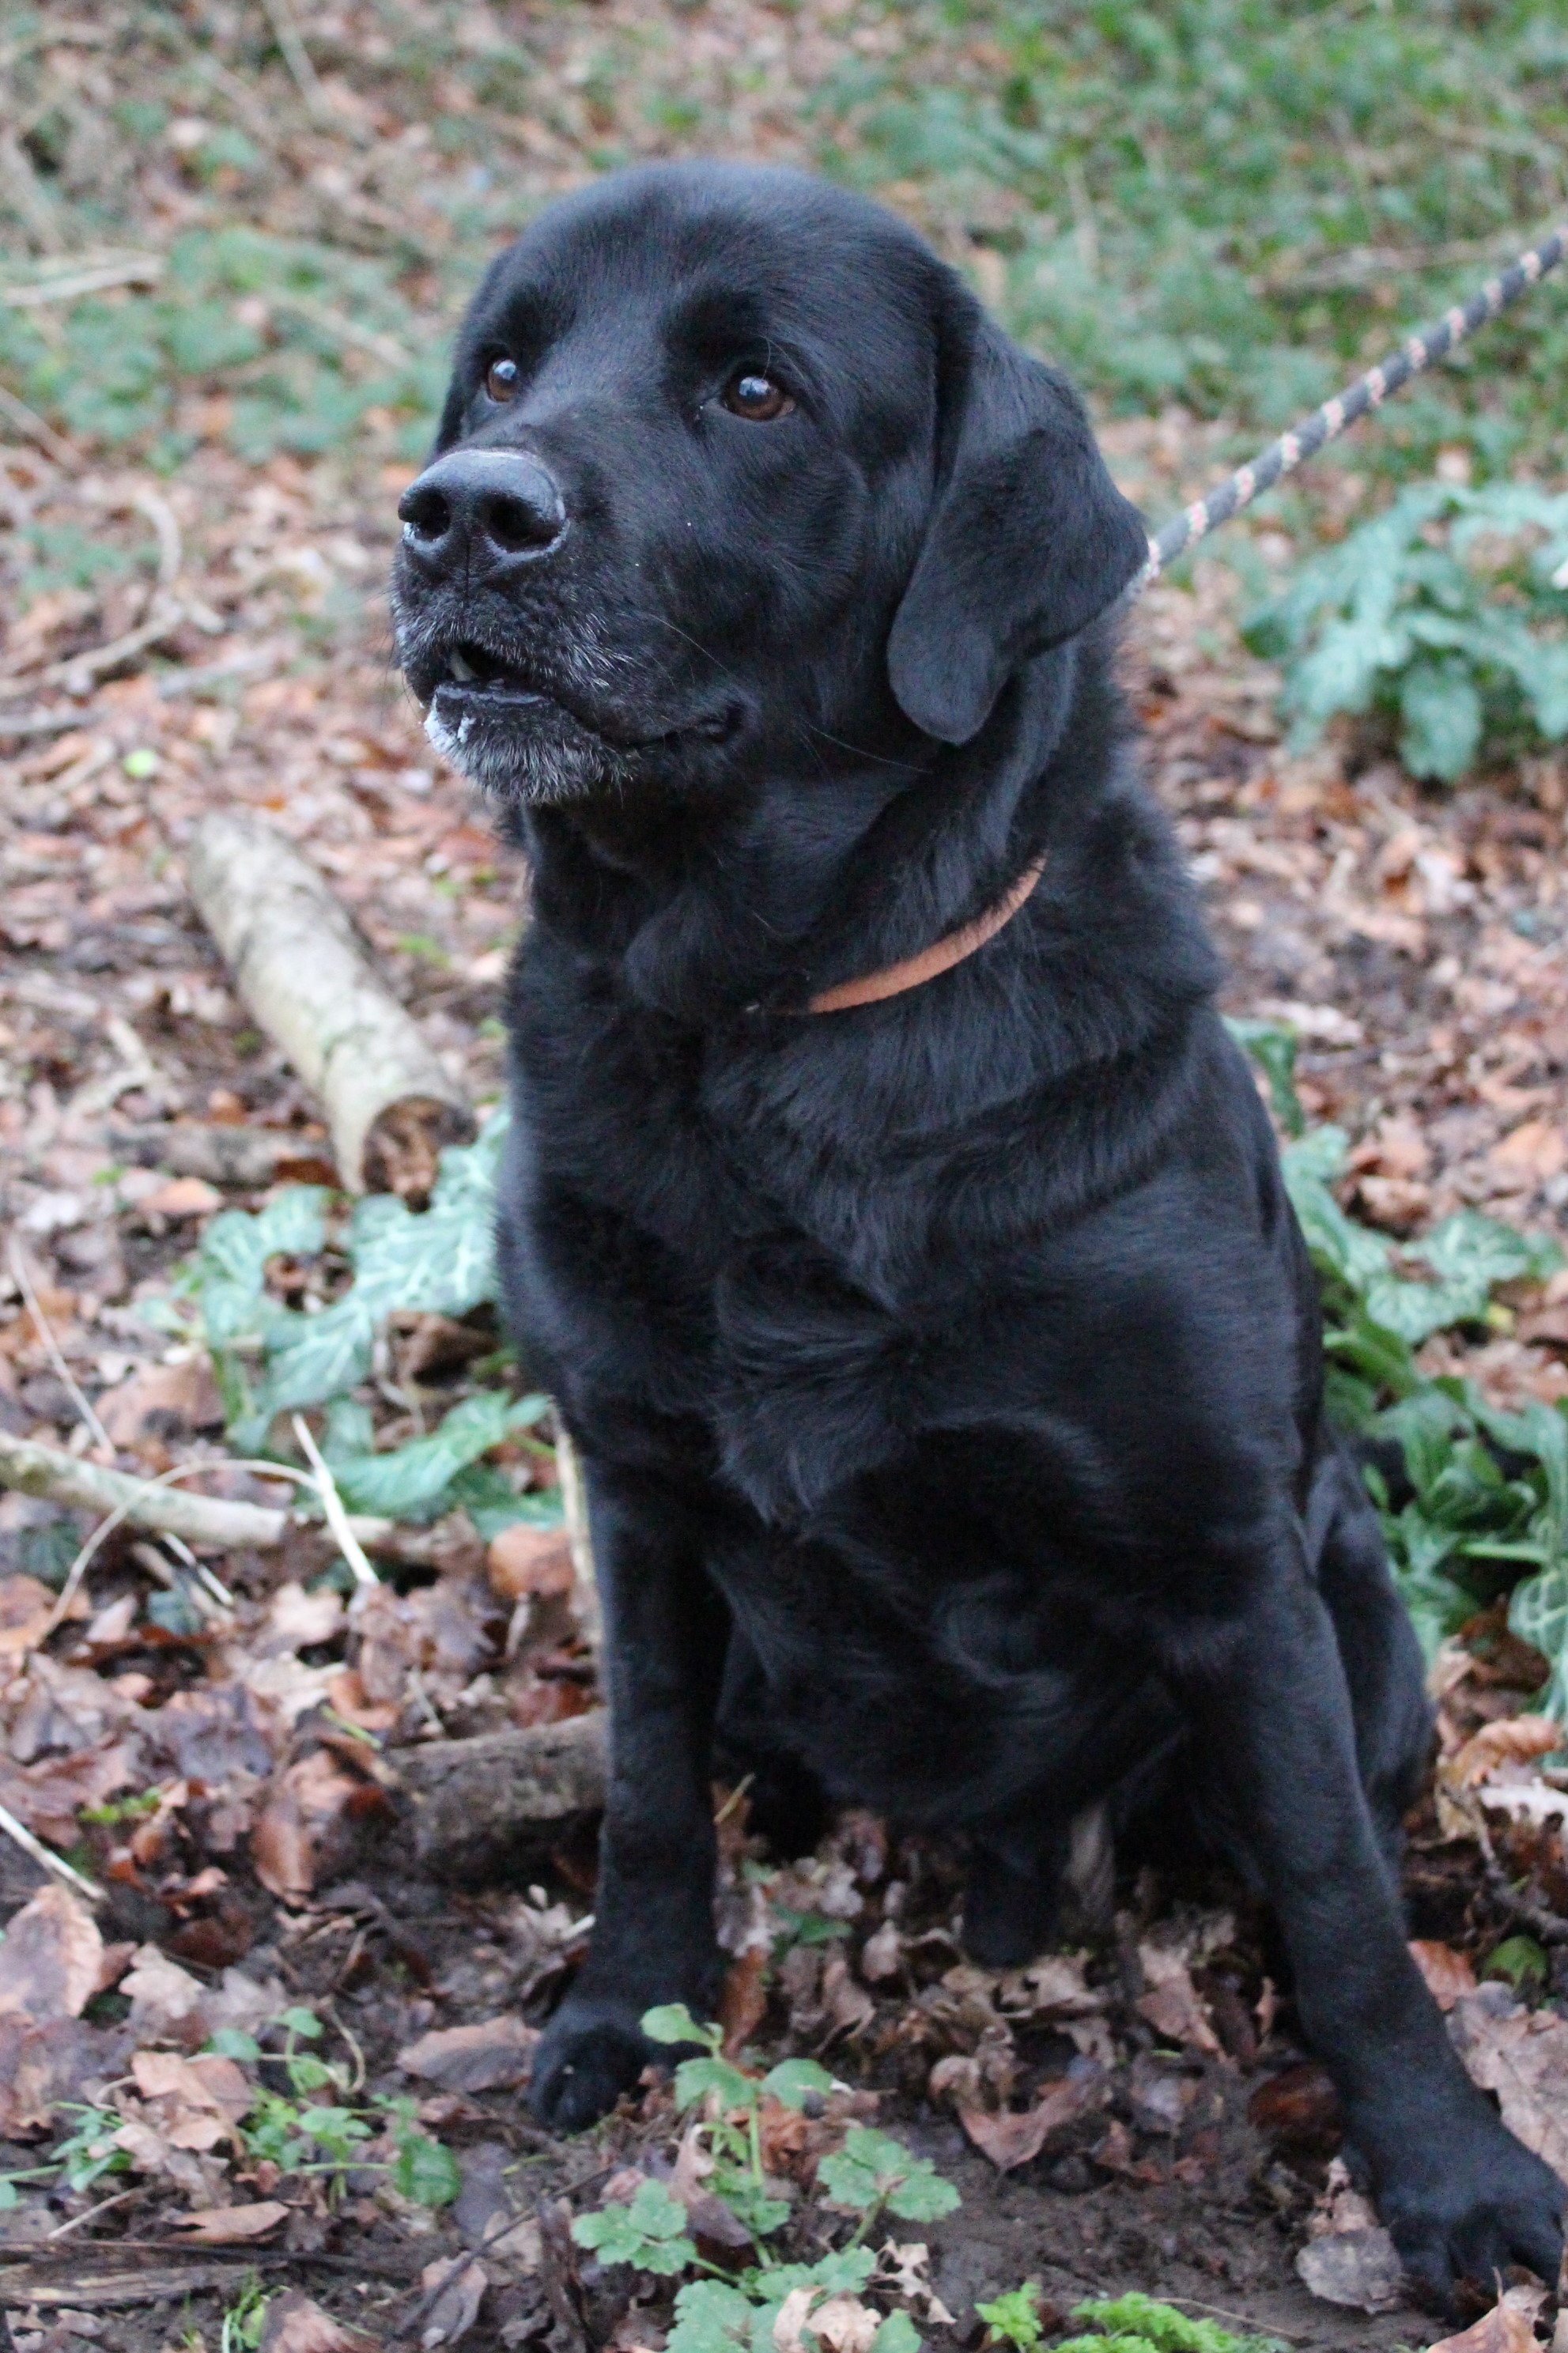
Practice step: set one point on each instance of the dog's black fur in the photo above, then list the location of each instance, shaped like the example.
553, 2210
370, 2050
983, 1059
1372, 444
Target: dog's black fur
946, 1371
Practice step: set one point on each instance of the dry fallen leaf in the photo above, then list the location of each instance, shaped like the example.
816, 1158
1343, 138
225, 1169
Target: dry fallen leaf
1447, 1973
743, 2000
1509, 2328
48, 1796
1171, 2004
296, 2324
162, 1402
882, 1954
1013, 2137
1360, 2269
1512, 1740
197, 2102
1522, 2056
51, 1958
461, 2284
165, 2000
841, 2322
495, 2055
297, 1620
182, 1197
26, 1607
305, 1805
523, 1560
222, 2226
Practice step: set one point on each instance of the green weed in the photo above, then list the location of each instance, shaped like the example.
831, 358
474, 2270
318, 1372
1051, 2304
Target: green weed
245, 2318
871, 2179
1449, 614
269, 1358
1488, 1514
1139, 2324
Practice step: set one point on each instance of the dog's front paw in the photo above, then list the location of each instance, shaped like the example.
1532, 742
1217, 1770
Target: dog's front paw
1472, 2210
590, 2052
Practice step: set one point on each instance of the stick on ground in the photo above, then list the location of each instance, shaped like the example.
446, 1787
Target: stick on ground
305, 976
479, 1806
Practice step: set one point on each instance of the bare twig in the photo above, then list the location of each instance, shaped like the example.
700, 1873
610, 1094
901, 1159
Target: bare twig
574, 1502
348, 1544
38, 723
136, 269
63, 2229
22, 1837
60, 1478
297, 58
347, 330
41, 1325
166, 615
38, 428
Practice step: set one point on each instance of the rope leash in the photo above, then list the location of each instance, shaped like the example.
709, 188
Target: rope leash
1413, 356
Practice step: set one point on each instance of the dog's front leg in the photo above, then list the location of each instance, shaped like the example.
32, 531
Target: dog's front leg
1459, 2194
664, 1633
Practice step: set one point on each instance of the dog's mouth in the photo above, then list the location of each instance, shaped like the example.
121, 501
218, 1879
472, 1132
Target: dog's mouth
469, 672
465, 680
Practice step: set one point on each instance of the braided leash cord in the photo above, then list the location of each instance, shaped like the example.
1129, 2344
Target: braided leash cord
1416, 353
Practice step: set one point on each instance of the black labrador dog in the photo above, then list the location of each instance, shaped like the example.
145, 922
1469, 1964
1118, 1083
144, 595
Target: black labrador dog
940, 1346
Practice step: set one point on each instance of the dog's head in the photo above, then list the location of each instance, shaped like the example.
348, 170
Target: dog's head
732, 467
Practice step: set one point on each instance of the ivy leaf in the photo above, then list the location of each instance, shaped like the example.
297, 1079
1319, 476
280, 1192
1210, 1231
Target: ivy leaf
411, 1482
650, 2234
1538, 1614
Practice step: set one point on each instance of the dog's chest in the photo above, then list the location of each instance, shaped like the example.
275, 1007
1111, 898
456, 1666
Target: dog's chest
687, 1263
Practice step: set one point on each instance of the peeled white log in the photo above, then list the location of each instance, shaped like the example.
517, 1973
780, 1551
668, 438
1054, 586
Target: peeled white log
305, 975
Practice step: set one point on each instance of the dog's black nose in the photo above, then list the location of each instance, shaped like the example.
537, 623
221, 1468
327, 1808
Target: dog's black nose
491, 510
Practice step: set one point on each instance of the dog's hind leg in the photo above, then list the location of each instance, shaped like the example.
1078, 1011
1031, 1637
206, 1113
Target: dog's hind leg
1378, 1649
1013, 1892
786, 1803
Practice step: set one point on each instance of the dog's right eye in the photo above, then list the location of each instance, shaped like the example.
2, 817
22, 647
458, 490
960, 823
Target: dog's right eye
500, 380
757, 397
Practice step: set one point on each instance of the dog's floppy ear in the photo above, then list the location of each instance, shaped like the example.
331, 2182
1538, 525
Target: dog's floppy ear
1028, 539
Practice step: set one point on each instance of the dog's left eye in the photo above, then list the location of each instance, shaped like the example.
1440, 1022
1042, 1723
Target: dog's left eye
756, 398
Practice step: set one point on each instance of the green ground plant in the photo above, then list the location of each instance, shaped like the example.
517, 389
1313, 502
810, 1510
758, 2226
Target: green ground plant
1487, 1508
298, 2131
1447, 614
271, 1359
1140, 2324
872, 2179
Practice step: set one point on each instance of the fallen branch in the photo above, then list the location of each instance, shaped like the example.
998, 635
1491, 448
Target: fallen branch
477, 1805
136, 269
22, 1837
209, 1522
248, 1158
303, 972
50, 1472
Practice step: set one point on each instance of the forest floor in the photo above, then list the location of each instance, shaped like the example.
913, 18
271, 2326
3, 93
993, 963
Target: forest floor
253, 1864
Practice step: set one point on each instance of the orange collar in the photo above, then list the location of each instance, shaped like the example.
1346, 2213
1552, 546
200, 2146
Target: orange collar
940, 957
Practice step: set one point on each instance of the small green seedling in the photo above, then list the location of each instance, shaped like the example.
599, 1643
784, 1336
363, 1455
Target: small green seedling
1015, 2318
872, 2176
1139, 2324
245, 2318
